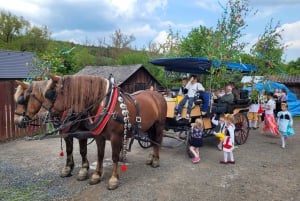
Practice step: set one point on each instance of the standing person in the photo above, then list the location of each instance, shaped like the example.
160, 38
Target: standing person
192, 86
269, 119
253, 109
196, 139
228, 141
220, 128
285, 123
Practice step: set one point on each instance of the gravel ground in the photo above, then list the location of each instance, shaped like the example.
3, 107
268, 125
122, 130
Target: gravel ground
29, 170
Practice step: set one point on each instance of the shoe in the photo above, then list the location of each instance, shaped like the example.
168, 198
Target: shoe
231, 162
283, 146
178, 117
196, 160
187, 116
223, 162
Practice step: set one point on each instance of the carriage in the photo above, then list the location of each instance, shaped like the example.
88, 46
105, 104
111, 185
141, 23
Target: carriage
202, 66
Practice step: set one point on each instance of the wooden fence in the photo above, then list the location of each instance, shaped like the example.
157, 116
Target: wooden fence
8, 130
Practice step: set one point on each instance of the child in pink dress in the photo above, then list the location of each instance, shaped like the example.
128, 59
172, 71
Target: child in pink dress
269, 120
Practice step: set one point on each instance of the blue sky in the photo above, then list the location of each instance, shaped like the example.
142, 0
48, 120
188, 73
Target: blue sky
91, 21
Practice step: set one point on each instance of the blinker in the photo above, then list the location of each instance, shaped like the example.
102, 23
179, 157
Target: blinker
50, 94
21, 100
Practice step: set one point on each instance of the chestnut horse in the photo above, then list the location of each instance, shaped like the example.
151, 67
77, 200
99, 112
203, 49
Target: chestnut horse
29, 101
112, 115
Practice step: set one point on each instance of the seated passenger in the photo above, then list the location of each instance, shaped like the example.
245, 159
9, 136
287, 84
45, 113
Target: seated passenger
183, 90
228, 96
222, 104
192, 86
235, 92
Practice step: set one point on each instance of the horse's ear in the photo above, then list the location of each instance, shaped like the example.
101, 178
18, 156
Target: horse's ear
53, 77
23, 84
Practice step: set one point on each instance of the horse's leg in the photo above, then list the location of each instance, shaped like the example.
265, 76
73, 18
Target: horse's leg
66, 171
98, 173
116, 143
153, 159
83, 172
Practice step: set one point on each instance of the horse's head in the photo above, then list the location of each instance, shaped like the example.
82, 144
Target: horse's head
51, 96
29, 99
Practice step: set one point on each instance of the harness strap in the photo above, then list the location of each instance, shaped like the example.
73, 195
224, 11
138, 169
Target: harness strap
107, 116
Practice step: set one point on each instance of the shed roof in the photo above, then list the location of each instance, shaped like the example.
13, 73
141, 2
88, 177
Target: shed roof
286, 79
120, 73
15, 64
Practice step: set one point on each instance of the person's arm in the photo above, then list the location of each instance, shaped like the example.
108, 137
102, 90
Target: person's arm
200, 87
214, 121
187, 86
180, 92
291, 119
231, 133
278, 115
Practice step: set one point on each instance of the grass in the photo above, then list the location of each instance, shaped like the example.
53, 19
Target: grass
29, 192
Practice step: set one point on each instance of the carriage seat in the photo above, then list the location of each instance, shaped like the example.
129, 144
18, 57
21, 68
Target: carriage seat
242, 103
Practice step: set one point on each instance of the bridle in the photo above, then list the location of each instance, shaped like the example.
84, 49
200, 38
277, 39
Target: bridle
23, 100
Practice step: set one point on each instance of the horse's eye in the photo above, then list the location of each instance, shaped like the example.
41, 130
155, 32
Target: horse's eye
21, 100
50, 94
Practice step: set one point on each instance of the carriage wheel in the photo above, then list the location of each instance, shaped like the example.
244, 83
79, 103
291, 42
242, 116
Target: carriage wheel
241, 128
144, 141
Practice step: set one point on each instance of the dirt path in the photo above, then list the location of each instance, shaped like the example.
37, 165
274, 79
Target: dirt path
263, 171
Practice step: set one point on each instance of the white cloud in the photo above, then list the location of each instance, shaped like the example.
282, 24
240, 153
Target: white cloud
151, 5
161, 38
124, 8
32, 10
290, 35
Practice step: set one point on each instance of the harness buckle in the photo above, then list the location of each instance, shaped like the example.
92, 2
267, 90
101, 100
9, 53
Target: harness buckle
138, 119
114, 115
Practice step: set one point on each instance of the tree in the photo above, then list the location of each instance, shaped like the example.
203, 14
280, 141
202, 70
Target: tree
11, 27
269, 49
293, 67
35, 40
120, 40
197, 42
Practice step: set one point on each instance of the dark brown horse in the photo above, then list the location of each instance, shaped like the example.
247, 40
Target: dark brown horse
29, 99
112, 115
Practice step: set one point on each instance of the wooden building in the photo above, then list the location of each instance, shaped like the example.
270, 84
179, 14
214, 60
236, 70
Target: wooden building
130, 78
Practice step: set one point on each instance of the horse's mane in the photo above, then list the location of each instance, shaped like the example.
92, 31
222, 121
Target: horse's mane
81, 91
18, 92
36, 85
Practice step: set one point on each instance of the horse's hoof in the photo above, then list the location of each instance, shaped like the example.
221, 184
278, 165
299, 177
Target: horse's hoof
113, 183
95, 179
83, 174
66, 172
149, 160
155, 163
